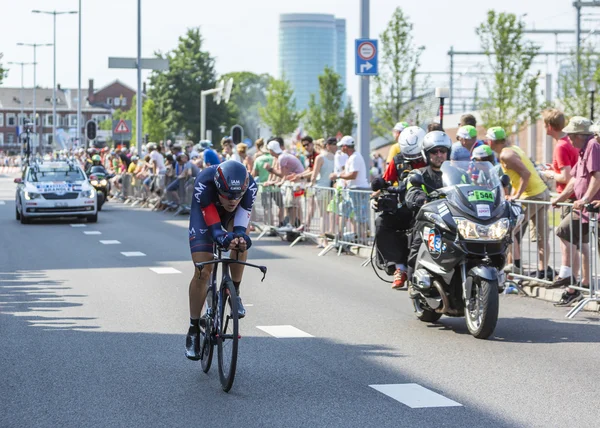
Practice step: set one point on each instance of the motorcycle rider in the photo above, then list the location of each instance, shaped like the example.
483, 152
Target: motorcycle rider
392, 224
95, 161
436, 150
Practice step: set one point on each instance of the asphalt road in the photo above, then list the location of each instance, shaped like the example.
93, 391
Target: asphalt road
92, 338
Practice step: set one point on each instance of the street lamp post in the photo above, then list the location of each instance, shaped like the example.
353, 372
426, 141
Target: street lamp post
34, 46
591, 86
54, 13
442, 93
22, 98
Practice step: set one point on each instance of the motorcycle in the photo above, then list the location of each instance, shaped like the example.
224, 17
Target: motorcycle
466, 228
99, 179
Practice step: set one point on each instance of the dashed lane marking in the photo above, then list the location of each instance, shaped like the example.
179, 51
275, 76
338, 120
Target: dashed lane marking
164, 270
415, 396
109, 242
78, 225
92, 232
132, 254
283, 331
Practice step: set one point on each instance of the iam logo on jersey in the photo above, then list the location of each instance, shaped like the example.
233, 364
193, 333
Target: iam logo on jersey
199, 189
254, 190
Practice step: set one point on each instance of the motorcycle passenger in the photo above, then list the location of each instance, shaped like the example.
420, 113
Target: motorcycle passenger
436, 150
392, 225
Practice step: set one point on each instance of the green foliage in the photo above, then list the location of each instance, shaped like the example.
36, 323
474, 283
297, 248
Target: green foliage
176, 92
249, 93
325, 119
280, 113
512, 93
573, 92
3, 71
152, 123
347, 120
105, 125
399, 60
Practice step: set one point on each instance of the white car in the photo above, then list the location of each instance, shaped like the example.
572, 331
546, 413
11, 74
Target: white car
55, 189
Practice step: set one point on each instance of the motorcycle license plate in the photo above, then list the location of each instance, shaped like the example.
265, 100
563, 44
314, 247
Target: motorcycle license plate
61, 204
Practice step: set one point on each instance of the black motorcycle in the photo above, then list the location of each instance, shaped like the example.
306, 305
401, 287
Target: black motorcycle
99, 179
466, 229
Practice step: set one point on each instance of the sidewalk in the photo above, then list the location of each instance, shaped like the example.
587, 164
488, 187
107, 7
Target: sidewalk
553, 295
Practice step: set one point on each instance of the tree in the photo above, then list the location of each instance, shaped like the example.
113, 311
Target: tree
176, 92
399, 60
280, 113
105, 125
573, 93
510, 56
348, 119
3, 71
325, 119
248, 94
152, 124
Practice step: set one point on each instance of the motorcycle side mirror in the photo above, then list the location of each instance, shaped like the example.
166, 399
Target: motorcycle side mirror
18, 180
416, 180
505, 180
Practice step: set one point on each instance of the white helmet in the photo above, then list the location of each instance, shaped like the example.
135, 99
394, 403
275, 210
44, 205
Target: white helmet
435, 139
411, 142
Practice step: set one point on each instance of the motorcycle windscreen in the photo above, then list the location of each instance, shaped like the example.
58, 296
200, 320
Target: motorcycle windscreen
474, 187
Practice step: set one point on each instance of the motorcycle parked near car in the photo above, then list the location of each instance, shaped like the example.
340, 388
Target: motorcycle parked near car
466, 229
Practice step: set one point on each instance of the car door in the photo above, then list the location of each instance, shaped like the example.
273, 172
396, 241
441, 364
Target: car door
19, 190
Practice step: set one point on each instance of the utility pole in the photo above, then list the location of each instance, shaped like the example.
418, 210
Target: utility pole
364, 108
138, 125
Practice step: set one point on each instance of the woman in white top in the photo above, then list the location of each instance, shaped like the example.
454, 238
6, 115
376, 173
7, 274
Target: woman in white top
324, 166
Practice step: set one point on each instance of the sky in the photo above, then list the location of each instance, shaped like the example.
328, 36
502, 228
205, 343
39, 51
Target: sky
242, 35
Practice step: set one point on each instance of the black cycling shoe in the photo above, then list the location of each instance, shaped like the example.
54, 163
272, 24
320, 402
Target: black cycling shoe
241, 309
568, 298
192, 344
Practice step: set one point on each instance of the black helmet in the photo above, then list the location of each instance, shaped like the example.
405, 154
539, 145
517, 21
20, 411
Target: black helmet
231, 178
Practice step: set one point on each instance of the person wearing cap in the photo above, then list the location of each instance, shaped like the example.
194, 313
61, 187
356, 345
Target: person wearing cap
526, 185
355, 175
585, 185
462, 150
395, 149
210, 157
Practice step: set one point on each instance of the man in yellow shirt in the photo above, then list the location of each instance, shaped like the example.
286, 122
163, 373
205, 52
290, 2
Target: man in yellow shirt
526, 185
395, 149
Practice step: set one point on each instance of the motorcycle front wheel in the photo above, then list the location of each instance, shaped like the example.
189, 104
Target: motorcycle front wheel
481, 311
425, 314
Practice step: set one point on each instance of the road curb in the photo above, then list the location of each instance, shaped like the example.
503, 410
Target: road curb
553, 295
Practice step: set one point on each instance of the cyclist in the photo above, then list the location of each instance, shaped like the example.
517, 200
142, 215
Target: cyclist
223, 198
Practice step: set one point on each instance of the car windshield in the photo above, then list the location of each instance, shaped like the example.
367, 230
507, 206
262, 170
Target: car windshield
470, 173
46, 174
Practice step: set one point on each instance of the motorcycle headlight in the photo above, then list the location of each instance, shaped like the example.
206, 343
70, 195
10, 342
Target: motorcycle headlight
88, 193
94, 182
492, 232
32, 195
103, 182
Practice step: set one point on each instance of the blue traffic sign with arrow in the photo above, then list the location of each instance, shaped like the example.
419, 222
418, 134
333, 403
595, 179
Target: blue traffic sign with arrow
366, 57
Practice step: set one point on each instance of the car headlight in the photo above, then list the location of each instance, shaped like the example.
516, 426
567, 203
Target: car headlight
32, 195
103, 182
94, 182
492, 232
88, 193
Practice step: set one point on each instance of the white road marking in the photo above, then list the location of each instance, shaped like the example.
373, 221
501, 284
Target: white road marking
164, 270
248, 305
415, 396
132, 254
92, 232
109, 242
78, 225
2, 202
283, 331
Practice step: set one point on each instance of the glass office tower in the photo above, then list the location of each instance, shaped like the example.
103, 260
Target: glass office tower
307, 44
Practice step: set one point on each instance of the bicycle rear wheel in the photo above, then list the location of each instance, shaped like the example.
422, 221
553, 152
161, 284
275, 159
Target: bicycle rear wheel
206, 334
227, 340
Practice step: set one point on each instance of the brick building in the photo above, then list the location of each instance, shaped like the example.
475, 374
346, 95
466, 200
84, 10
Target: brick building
98, 105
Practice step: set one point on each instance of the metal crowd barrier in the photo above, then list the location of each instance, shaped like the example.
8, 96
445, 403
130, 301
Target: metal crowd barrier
340, 217
540, 245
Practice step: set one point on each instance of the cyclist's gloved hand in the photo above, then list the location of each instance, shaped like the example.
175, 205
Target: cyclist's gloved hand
240, 232
224, 239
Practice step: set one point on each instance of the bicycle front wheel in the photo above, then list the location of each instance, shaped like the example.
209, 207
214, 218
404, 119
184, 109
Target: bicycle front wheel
227, 340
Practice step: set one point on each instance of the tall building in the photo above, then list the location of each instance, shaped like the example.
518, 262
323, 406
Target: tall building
307, 44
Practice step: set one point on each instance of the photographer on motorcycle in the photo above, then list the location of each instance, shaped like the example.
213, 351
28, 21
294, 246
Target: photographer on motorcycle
395, 219
436, 150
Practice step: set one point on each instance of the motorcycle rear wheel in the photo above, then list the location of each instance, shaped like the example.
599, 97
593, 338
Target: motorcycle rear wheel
482, 319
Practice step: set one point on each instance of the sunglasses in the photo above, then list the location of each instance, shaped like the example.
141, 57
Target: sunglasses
305, 145
232, 196
438, 151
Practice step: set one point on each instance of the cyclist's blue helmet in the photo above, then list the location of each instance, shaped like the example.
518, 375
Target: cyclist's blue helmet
231, 178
